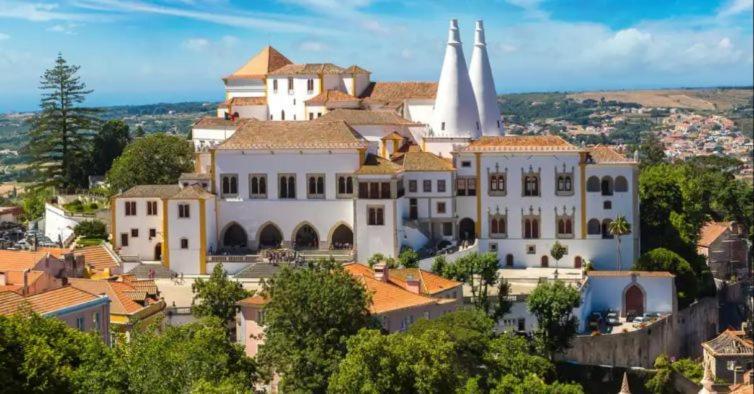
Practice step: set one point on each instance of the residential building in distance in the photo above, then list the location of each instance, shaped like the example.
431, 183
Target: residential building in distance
724, 246
321, 159
729, 356
79, 309
32, 272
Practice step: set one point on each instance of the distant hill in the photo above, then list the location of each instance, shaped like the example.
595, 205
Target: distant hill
714, 99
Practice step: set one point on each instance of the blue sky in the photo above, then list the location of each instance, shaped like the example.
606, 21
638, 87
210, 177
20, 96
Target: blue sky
147, 51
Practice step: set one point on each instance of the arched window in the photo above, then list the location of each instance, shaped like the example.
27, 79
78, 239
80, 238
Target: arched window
545, 262
593, 184
568, 226
561, 226
509, 260
535, 228
568, 183
342, 185
621, 184
349, 185
531, 185
493, 226
263, 185
291, 187
593, 227
254, 185
312, 185
321, 185
283, 187
527, 228
226, 185
607, 186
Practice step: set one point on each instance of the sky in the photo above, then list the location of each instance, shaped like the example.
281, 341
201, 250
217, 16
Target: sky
150, 51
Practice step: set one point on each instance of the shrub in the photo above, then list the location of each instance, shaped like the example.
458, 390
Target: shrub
91, 229
409, 258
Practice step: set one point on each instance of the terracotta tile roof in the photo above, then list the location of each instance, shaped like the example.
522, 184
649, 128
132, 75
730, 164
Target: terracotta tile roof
56, 252
388, 297
13, 210
730, 342
11, 288
602, 154
267, 60
245, 101
19, 260
192, 192
212, 122
193, 176
121, 303
394, 93
53, 300
522, 143
294, 135
711, 231
376, 165
645, 274
98, 257
150, 191
136, 295
10, 302
255, 300
358, 117
430, 283
423, 161
394, 136
331, 96
308, 69
354, 69
146, 285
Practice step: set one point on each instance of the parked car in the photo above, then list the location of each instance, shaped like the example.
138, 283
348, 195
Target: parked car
652, 316
613, 319
641, 319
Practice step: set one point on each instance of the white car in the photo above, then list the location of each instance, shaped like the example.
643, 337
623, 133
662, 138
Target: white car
613, 319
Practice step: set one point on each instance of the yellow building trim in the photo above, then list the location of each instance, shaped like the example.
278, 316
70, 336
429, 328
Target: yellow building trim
212, 170
165, 248
321, 83
582, 188
424, 145
202, 237
383, 149
395, 146
113, 233
478, 224
362, 156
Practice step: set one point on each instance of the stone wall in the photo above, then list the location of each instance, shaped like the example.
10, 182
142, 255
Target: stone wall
677, 336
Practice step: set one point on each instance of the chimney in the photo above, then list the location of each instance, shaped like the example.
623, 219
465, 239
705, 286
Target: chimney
455, 112
25, 289
483, 85
381, 272
413, 284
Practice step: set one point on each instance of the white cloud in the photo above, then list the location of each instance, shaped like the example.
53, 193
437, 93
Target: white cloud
313, 46
735, 7
35, 12
196, 44
531, 8
65, 28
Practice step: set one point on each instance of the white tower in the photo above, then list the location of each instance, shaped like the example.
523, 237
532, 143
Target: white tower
480, 73
455, 114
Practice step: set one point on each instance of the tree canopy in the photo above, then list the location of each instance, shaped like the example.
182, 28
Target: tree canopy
107, 145
217, 296
686, 282
157, 159
552, 303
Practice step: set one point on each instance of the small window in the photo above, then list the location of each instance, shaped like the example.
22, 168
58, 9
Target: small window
607, 204
80, 325
282, 114
384, 190
309, 85
345, 186
564, 184
152, 233
531, 249
412, 186
311, 115
447, 229
440, 207
493, 247
184, 211
229, 185
184, 243
134, 233
497, 184
319, 114
290, 85
427, 186
151, 208
376, 216
257, 186
442, 126
593, 227
441, 186
130, 208
531, 185
287, 186
274, 85
509, 260
315, 186
466, 164
97, 321
124, 239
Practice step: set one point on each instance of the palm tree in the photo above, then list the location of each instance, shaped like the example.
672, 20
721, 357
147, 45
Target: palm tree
618, 228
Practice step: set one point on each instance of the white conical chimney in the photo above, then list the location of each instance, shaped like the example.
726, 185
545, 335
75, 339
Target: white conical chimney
455, 113
480, 73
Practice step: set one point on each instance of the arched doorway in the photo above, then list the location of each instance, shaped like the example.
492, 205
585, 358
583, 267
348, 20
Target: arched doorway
235, 237
306, 238
545, 261
577, 261
270, 237
341, 238
634, 301
158, 251
466, 230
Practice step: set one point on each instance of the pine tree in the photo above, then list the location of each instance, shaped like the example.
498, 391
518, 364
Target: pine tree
60, 133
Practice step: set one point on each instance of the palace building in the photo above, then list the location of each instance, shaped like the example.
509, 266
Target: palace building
321, 159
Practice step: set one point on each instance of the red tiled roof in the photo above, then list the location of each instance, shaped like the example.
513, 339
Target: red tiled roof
19, 260
294, 135
53, 300
98, 257
522, 143
331, 96
10, 302
395, 93
121, 303
712, 231
264, 62
255, 300
602, 154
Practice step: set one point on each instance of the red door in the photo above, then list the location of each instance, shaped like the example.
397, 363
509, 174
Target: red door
634, 301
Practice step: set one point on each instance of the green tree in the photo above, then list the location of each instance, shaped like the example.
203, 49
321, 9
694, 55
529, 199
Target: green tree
660, 382
33, 203
60, 133
552, 303
108, 144
557, 252
409, 258
91, 229
217, 296
479, 272
661, 259
156, 159
311, 313
139, 132
618, 228
380, 258
651, 149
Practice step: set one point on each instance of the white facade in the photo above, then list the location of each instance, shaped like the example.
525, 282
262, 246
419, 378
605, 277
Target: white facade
138, 233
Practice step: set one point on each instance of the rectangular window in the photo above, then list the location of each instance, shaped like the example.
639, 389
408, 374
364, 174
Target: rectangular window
184, 211
311, 115
447, 229
152, 233
376, 216
412, 186
564, 185
274, 85
607, 204
385, 190
134, 233
461, 186
130, 208
151, 208
184, 243
287, 186
466, 186
466, 164
97, 322
310, 86
257, 186
440, 207
493, 246
497, 185
441, 185
345, 186
531, 185
363, 189
427, 186
80, 325
315, 186
229, 185
290, 85
124, 239
471, 186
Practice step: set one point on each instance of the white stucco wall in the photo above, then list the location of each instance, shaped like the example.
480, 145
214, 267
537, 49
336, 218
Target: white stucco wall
140, 246
57, 225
